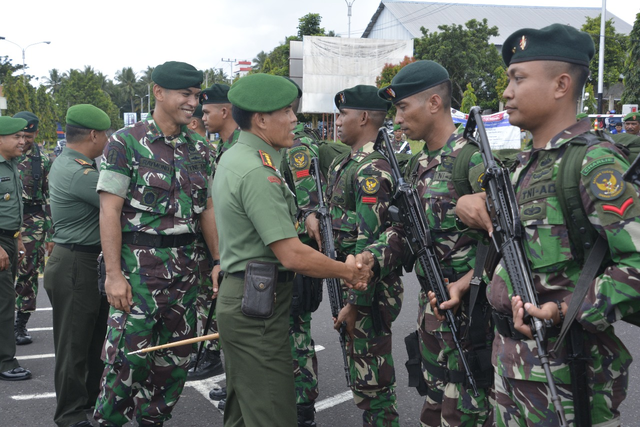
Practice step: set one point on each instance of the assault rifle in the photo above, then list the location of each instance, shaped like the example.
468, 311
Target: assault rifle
507, 238
334, 288
407, 210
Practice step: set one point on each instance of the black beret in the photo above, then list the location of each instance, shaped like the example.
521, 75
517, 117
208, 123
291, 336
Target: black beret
216, 94
88, 116
198, 112
176, 75
9, 125
414, 78
32, 120
262, 93
361, 97
556, 42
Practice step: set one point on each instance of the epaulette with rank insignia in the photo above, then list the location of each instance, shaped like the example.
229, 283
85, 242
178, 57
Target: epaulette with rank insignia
266, 159
83, 162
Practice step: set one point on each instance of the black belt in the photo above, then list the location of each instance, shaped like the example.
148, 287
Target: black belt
158, 241
283, 276
11, 233
504, 326
29, 209
90, 249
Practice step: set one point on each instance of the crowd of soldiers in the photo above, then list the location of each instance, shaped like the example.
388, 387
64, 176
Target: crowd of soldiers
176, 247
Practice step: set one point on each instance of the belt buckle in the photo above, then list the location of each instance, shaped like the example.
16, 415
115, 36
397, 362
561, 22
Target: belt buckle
16, 234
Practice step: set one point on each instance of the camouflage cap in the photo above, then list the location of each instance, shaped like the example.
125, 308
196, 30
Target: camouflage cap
32, 120
634, 116
198, 112
361, 97
262, 93
176, 75
10, 125
414, 78
299, 88
556, 42
216, 94
88, 116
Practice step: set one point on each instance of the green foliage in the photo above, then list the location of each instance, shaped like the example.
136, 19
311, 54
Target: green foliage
214, 76
469, 99
591, 102
615, 46
6, 67
19, 93
502, 81
631, 94
309, 25
389, 71
45, 110
468, 57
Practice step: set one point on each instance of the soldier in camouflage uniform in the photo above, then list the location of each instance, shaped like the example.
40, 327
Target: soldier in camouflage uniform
34, 171
547, 70
217, 117
154, 195
421, 92
359, 191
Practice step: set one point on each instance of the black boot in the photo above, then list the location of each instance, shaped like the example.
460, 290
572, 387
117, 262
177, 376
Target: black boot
20, 328
306, 415
222, 404
210, 365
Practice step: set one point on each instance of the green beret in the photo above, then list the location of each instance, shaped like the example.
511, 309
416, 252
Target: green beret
361, 97
198, 112
262, 93
581, 116
299, 89
176, 75
413, 78
88, 116
216, 94
32, 120
10, 125
635, 116
396, 127
556, 42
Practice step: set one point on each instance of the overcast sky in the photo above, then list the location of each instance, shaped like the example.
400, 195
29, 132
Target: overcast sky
114, 34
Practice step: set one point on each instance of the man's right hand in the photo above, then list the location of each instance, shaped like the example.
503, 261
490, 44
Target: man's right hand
118, 292
313, 229
360, 274
472, 210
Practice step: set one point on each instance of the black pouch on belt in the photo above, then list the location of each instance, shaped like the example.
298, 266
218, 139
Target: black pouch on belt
102, 274
259, 297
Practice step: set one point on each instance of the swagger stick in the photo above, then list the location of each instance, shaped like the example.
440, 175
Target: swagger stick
178, 343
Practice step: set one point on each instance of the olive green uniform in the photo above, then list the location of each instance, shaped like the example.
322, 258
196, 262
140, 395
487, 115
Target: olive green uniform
71, 281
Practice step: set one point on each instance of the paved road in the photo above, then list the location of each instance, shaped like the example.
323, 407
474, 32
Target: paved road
32, 403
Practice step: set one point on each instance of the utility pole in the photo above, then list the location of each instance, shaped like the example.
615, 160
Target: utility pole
349, 13
231, 62
601, 56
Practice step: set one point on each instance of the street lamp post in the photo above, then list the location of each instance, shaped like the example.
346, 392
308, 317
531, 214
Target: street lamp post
141, 104
24, 67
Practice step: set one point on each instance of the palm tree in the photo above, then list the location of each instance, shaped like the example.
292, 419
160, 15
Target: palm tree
54, 80
128, 82
258, 61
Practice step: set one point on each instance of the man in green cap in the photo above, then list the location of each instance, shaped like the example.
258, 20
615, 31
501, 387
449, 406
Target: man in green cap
632, 123
217, 117
80, 311
256, 215
359, 190
421, 93
154, 188
34, 170
11, 247
547, 69
400, 144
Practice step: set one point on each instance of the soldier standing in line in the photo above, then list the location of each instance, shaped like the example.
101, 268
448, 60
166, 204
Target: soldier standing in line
80, 311
359, 191
34, 169
11, 247
217, 117
155, 196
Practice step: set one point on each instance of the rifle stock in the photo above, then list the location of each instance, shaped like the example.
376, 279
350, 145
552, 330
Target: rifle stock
407, 210
507, 237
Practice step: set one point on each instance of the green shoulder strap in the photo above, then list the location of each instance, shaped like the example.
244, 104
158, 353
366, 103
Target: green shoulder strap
460, 170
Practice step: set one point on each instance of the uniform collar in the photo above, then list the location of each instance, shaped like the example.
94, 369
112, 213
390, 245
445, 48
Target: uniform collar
577, 129
73, 154
255, 142
362, 152
154, 133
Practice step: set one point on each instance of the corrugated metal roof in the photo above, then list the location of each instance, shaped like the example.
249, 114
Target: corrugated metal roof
413, 14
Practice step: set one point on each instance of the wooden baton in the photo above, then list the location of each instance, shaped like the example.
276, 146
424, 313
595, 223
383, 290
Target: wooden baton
178, 343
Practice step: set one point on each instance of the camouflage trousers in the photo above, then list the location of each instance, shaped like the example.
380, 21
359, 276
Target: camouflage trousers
370, 360
203, 305
31, 266
305, 362
147, 386
457, 407
521, 403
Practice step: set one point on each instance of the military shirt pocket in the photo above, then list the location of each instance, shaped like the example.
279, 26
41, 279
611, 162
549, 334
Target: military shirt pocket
6, 190
347, 224
151, 191
441, 212
198, 191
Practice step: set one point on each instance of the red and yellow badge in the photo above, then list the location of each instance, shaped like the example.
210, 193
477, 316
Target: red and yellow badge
266, 159
523, 42
607, 184
299, 160
83, 162
390, 92
343, 99
371, 185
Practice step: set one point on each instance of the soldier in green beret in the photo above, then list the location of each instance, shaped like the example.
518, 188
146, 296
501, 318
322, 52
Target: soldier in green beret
256, 215
80, 311
547, 69
632, 123
11, 247
217, 117
34, 169
155, 197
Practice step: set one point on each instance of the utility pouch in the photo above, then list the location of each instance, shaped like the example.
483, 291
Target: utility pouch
259, 297
102, 274
414, 364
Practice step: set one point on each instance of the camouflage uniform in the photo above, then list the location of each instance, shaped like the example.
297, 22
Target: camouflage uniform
165, 184
223, 146
358, 218
34, 171
447, 403
613, 207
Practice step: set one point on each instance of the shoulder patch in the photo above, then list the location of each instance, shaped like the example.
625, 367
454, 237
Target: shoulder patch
607, 184
82, 162
266, 159
370, 185
619, 210
299, 159
596, 163
274, 179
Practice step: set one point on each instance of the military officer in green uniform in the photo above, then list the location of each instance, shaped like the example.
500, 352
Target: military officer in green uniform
632, 123
255, 213
80, 311
217, 117
11, 148
34, 170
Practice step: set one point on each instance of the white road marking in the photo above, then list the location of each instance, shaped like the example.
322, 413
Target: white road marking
37, 356
50, 328
44, 309
34, 396
333, 401
318, 348
204, 386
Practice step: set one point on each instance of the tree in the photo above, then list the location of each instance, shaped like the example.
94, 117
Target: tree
468, 57
215, 76
258, 61
45, 109
309, 25
502, 81
469, 99
389, 71
615, 46
54, 81
590, 101
19, 94
631, 93
7, 67
128, 82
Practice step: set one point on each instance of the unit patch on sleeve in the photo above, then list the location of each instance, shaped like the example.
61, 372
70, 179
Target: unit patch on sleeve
607, 184
370, 185
299, 159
